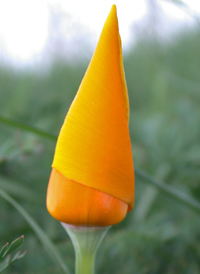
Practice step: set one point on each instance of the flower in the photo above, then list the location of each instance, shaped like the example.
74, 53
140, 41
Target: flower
92, 178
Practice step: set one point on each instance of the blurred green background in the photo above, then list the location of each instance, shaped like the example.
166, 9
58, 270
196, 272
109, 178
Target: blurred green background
160, 235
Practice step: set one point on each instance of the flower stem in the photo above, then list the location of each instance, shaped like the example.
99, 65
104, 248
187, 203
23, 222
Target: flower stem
84, 263
86, 241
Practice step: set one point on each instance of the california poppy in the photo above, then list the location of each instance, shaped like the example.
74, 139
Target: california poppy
92, 178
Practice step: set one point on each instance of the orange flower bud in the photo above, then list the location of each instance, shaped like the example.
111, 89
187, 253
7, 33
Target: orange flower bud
92, 180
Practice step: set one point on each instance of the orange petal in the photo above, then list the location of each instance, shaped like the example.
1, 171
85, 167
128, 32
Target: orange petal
94, 147
76, 204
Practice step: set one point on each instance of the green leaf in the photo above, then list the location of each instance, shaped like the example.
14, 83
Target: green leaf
14, 245
44, 239
3, 250
7, 249
18, 256
5, 264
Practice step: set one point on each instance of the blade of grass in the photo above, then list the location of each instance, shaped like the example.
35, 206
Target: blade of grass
20, 191
48, 245
169, 190
166, 189
27, 127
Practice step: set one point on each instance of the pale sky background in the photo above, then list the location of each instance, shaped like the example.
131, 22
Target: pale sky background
26, 25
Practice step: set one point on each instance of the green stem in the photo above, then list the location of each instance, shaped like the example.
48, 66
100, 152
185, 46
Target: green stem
84, 262
86, 241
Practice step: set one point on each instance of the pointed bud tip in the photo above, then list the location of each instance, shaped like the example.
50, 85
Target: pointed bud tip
113, 13
114, 8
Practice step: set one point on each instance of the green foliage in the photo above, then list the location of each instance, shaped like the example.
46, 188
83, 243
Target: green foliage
7, 249
160, 235
51, 250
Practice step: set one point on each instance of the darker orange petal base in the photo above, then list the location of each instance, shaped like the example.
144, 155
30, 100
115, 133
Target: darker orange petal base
77, 204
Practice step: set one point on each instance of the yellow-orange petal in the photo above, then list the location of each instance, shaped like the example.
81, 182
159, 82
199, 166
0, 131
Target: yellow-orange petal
74, 203
94, 147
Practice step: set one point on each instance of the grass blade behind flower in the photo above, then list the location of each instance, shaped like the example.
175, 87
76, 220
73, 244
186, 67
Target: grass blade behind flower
27, 127
169, 190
